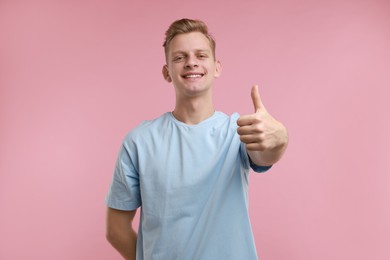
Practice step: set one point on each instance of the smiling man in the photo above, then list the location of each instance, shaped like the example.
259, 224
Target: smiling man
188, 169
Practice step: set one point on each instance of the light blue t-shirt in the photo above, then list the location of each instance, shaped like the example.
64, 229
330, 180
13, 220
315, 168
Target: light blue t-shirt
191, 182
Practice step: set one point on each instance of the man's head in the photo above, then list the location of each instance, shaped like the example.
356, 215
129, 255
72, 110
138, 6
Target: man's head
186, 26
190, 58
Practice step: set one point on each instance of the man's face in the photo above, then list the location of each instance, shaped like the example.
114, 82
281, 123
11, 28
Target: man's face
191, 66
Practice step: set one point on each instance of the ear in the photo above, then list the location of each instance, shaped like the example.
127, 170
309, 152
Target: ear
218, 69
165, 73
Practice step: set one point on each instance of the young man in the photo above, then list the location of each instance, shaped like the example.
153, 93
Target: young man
188, 169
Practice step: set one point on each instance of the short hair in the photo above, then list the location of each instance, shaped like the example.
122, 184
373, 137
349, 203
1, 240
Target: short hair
186, 26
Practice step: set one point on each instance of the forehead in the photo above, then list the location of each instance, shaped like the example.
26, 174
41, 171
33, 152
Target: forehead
188, 42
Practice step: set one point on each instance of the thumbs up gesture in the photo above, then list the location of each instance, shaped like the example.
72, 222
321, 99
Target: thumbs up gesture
265, 137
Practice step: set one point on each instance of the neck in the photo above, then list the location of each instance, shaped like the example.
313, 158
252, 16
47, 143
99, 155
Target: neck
194, 110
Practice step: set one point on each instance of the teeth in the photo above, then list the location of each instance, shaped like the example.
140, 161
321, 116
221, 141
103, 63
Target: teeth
193, 76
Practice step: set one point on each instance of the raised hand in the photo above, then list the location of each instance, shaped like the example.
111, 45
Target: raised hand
262, 132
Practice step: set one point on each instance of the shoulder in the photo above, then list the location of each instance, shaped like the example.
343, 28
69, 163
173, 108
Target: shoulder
147, 127
153, 123
234, 117
230, 119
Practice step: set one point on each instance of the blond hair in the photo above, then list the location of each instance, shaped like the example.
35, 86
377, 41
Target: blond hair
186, 26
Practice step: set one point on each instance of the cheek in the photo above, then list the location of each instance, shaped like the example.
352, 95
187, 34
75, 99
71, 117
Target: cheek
174, 71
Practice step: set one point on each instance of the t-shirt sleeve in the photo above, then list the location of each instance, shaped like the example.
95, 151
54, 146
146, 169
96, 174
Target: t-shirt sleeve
124, 192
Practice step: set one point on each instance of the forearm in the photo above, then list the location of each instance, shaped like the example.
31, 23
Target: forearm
124, 242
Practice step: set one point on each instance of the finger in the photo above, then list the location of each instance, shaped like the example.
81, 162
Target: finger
255, 147
256, 98
249, 130
245, 130
249, 139
247, 120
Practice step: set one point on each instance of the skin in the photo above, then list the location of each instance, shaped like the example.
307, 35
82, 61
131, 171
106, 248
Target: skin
120, 233
265, 138
192, 68
191, 54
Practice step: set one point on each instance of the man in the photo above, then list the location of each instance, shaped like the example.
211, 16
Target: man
188, 169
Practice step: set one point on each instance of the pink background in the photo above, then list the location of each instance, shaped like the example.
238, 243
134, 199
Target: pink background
76, 76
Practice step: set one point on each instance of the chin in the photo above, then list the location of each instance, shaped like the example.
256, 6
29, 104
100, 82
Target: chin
197, 91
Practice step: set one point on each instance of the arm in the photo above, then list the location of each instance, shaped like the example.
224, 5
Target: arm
119, 232
265, 138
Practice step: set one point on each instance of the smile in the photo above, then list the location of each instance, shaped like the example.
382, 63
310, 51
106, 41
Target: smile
192, 76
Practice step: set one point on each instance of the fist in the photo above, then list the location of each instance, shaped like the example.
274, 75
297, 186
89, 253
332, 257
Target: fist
260, 131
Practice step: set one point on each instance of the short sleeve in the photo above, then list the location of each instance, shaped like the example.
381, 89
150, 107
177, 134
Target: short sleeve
124, 192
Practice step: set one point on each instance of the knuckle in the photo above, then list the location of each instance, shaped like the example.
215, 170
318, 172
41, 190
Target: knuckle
257, 128
250, 147
257, 118
262, 136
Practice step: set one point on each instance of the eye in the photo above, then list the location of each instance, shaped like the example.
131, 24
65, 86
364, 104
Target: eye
178, 58
202, 56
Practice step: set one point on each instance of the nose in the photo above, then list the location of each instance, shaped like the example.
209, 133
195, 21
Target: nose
191, 62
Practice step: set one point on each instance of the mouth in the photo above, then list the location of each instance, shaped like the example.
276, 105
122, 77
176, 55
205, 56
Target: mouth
192, 75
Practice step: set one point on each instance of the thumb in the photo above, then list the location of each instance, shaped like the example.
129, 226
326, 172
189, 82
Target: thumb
256, 98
